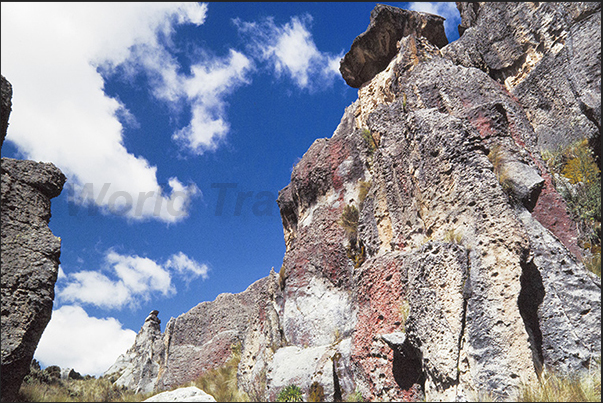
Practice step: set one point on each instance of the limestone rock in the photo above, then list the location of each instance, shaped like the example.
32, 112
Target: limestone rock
547, 54
138, 368
70, 373
202, 339
372, 50
458, 270
189, 394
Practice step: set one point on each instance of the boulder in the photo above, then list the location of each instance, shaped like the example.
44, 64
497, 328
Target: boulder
189, 394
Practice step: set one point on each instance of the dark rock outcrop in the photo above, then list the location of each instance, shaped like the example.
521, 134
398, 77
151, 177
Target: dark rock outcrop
548, 55
30, 258
372, 50
6, 91
429, 255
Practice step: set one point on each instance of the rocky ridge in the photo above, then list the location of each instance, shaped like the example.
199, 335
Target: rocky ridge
30, 257
428, 254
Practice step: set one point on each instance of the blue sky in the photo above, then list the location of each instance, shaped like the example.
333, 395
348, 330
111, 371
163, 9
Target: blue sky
176, 125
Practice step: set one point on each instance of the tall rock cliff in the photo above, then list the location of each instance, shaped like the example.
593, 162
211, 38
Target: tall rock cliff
30, 258
428, 253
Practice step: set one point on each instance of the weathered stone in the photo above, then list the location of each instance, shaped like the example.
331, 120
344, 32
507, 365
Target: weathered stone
6, 92
138, 368
30, 260
462, 274
547, 54
372, 50
561, 303
70, 373
202, 339
189, 394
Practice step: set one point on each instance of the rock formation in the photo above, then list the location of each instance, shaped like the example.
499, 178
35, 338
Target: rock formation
190, 394
428, 253
201, 339
6, 92
30, 258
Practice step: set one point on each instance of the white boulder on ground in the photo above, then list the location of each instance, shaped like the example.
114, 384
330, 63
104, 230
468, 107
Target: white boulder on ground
189, 394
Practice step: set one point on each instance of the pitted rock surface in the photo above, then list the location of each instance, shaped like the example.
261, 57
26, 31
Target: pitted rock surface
456, 281
372, 50
30, 261
547, 54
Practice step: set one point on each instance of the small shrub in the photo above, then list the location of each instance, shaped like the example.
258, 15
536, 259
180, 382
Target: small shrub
354, 397
497, 158
364, 187
221, 382
367, 136
575, 163
404, 311
593, 263
316, 393
282, 277
453, 236
349, 220
291, 393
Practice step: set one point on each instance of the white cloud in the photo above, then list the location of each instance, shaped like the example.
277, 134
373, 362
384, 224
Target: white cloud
61, 114
75, 340
290, 50
447, 10
186, 267
128, 279
205, 90
91, 287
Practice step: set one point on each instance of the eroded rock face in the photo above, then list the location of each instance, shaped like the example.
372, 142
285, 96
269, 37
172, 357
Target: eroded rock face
547, 54
30, 257
460, 272
202, 339
372, 50
138, 368
6, 92
30, 261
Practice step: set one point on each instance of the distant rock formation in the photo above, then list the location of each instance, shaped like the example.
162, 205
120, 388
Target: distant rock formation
428, 254
30, 259
201, 339
138, 368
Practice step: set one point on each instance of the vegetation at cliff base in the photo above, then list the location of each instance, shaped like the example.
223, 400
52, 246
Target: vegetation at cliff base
553, 387
47, 386
221, 382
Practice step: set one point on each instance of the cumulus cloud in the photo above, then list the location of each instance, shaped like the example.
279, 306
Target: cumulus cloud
128, 280
290, 50
206, 89
73, 339
447, 10
186, 267
50, 53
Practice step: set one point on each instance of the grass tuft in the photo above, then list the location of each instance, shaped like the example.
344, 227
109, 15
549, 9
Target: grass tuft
557, 388
221, 382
